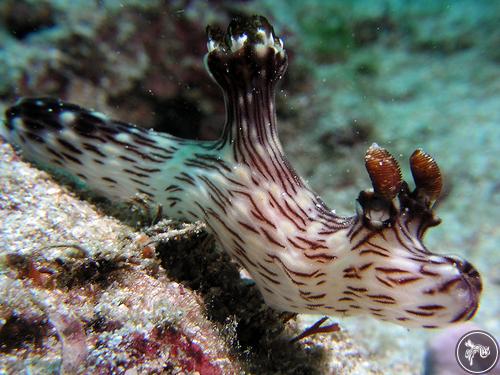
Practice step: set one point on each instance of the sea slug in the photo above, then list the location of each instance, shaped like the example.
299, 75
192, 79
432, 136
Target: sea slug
303, 257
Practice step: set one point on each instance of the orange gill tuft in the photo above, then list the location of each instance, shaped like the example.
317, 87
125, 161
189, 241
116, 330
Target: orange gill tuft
384, 172
426, 174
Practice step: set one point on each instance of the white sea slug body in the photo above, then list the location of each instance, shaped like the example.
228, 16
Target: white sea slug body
302, 256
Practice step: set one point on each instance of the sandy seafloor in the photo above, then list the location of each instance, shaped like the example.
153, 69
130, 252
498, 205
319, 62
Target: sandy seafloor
402, 74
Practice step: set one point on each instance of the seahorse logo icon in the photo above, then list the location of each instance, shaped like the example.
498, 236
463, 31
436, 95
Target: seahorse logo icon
484, 351
477, 352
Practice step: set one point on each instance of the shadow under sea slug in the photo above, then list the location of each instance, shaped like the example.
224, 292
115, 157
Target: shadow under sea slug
302, 256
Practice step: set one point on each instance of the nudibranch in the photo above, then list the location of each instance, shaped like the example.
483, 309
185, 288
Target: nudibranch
303, 257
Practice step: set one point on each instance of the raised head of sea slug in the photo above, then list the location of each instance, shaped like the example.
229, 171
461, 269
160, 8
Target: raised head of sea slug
248, 55
402, 281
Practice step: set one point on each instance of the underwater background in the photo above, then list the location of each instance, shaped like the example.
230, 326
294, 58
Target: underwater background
81, 289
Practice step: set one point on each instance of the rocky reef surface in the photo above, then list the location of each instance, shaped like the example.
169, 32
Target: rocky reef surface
89, 287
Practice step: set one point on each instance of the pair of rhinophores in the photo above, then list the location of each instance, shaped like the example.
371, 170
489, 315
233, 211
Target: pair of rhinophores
303, 257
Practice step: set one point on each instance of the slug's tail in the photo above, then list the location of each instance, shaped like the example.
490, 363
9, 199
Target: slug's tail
116, 159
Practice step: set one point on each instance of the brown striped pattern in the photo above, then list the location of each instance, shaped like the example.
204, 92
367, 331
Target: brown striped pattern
302, 256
